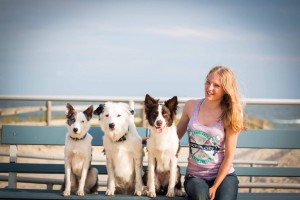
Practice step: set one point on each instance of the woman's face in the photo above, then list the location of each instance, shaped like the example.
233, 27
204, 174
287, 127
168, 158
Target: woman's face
213, 87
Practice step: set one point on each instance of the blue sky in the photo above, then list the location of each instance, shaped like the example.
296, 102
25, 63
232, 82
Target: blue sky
164, 48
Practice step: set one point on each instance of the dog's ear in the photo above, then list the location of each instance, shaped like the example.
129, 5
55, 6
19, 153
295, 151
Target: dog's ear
150, 101
127, 108
70, 110
89, 112
99, 110
172, 105
132, 112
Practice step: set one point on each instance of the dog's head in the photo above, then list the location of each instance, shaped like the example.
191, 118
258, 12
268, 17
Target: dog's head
159, 115
78, 122
115, 119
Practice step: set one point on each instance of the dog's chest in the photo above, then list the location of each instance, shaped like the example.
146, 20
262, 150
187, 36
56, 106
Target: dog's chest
78, 154
163, 144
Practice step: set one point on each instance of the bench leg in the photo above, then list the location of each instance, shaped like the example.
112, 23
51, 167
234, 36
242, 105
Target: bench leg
12, 177
12, 180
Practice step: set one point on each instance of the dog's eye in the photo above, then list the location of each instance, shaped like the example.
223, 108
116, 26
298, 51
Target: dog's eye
82, 121
73, 120
107, 115
118, 115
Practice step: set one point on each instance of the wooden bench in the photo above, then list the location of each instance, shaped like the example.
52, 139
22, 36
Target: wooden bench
14, 135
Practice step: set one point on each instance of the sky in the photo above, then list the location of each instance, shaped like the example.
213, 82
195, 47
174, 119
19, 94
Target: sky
163, 48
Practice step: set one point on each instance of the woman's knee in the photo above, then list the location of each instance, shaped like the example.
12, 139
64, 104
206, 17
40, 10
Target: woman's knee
196, 189
228, 189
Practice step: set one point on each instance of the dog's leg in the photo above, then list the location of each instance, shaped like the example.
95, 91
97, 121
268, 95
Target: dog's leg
151, 175
91, 183
80, 191
111, 187
178, 186
172, 180
67, 191
138, 165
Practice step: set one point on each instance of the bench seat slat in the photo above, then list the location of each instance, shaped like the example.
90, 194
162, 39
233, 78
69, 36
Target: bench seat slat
56, 194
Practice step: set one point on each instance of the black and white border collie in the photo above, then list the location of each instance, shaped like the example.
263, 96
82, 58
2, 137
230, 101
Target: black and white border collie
163, 176
80, 177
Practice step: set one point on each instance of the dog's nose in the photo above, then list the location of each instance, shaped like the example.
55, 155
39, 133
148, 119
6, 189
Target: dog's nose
111, 125
159, 123
75, 130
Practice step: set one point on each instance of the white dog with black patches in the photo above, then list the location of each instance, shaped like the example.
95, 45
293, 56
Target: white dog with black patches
80, 177
123, 149
163, 175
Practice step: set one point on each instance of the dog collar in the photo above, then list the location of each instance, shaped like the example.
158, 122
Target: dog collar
76, 139
123, 138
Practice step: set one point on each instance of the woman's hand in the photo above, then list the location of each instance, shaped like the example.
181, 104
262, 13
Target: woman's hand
212, 192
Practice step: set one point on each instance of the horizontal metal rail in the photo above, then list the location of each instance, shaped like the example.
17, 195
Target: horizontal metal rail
257, 101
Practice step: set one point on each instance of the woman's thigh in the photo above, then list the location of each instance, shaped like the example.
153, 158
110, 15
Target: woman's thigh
228, 189
196, 188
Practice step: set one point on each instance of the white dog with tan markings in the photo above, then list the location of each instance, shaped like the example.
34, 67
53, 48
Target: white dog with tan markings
80, 177
123, 149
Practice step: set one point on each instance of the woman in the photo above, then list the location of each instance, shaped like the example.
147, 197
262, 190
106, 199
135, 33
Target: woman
212, 124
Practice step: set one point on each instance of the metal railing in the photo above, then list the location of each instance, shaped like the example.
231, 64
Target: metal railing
48, 108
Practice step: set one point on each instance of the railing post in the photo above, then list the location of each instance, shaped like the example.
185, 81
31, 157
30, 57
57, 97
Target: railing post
143, 116
48, 112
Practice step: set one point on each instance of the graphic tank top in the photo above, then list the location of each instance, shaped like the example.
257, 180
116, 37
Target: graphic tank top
207, 147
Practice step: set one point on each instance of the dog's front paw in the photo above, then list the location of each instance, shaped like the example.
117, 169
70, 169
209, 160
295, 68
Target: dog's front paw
145, 191
66, 193
151, 194
138, 190
170, 193
180, 193
110, 192
80, 193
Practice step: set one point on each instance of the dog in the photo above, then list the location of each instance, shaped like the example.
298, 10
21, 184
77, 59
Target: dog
123, 149
163, 175
80, 177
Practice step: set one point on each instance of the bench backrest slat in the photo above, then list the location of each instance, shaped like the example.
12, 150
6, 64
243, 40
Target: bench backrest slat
269, 139
48, 135
264, 139
55, 135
